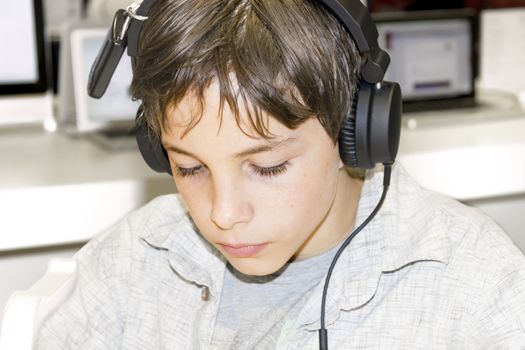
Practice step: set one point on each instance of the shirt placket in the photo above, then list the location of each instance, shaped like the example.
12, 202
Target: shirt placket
207, 306
205, 319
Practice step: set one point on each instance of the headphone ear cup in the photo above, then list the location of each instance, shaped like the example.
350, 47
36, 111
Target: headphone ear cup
370, 134
347, 135
385, 122
152, 152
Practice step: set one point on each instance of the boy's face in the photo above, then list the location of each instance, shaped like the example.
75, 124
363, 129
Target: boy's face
260, 202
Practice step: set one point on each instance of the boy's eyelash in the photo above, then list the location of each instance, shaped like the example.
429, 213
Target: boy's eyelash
261, 171
188, 172
270, 171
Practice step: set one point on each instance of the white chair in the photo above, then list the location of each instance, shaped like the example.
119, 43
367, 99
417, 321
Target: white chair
25, 310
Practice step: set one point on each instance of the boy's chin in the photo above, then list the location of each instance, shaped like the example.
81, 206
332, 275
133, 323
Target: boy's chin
254, 267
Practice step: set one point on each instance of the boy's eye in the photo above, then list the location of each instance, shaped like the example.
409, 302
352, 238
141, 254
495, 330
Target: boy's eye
270, 171
260, 171
188, 172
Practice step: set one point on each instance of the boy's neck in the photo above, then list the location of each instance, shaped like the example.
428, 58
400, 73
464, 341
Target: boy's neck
340, 220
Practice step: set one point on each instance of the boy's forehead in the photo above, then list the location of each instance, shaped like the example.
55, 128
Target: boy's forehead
182, 113
195, 112
203, 122
218, 136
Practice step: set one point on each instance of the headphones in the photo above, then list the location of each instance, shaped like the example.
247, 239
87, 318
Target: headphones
368, 136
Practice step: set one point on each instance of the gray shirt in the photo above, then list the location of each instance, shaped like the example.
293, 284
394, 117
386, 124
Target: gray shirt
254, 309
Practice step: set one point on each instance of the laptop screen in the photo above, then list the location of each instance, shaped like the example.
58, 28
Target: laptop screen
431, 53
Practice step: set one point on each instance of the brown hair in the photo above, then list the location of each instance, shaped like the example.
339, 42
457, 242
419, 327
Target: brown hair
288, 58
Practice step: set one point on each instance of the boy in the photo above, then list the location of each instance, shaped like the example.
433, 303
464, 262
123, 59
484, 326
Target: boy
247, 98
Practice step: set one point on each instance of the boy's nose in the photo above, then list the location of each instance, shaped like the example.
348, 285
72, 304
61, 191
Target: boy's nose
230, 206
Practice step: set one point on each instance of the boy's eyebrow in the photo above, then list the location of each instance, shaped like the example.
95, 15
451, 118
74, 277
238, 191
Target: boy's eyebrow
268, 146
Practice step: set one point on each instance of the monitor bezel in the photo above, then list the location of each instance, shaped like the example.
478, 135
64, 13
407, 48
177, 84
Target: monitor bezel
41, 85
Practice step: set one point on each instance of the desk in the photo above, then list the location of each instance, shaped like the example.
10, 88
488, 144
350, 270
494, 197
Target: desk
465, 157
477, 158
56, 190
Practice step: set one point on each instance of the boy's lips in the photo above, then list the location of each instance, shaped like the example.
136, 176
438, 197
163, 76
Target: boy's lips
242, 250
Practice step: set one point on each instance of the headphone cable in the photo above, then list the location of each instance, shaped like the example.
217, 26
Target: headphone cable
323, 334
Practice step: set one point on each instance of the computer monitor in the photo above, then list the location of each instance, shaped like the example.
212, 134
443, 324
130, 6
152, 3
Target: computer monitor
22, 68
115, 111
432, 55
23, 78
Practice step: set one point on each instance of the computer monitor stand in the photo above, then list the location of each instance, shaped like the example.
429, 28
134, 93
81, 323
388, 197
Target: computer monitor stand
115, 140
25, 108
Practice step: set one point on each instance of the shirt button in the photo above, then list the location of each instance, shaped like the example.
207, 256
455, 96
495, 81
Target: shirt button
205, 293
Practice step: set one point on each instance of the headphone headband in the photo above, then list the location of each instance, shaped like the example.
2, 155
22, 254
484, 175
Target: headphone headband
127, 25
356, 19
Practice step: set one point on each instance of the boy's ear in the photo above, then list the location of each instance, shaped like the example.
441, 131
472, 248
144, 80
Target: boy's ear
341, 163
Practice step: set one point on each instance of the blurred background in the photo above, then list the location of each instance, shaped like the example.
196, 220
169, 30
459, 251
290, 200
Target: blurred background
69, 166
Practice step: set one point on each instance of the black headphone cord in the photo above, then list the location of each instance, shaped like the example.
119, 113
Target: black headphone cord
323, 334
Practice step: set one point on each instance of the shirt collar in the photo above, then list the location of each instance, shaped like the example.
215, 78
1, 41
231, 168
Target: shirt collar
189, 254
396, 237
